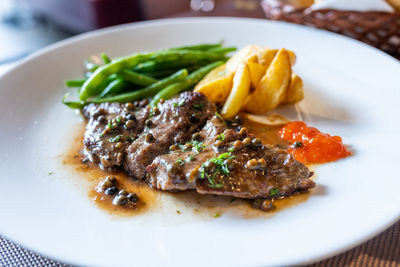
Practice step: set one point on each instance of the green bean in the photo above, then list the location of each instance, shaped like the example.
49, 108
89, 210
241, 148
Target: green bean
113, 87
91, 86
222, 50
74, 83
145, 92
72, 104
189, 81
136, 78
105, 58
201, 47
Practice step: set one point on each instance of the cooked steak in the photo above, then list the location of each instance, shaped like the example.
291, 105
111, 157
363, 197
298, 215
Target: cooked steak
177, 170
173, 122
184, 144
232, 163
110, 129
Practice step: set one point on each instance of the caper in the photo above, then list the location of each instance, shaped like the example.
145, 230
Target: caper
129, 124
118, 145
256, 142
130, 106
243, 131
297, 144
194, 117
149, 123
111, 191
122, 192
173, 147
120, 200
105, 161
156, 111
196, 137
263, 204
247, 141
237, 144
111, 179
131, 117
102, 119
218, 143
149, 137
252, 164
262, 162
132, 197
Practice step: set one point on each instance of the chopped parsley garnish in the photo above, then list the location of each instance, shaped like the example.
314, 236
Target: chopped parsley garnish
116, 138
109, 125
194, 145
199, 106
178, 104
199, 146
189, 159
118, 120
221, 137
221, 167
273, 192
219, 116
231, 149
179, 162
217, 215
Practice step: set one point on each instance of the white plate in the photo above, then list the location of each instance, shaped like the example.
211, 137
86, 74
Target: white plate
352, 90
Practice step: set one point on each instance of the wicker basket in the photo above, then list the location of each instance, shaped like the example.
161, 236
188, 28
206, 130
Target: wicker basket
379, 29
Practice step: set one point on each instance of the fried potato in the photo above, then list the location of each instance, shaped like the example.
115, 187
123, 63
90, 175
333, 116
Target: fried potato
216, 85
295, 92
274, 119
246, 54
266, 55
240, 90
257, 71
273, 86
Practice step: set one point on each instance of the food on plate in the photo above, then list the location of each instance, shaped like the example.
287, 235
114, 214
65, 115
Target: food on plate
309, 145
273, 86
272, 81
187, 145
240, 90
295, 92
273, 119
140, 119
216, 85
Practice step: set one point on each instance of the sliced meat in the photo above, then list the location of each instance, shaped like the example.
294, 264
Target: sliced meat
177, 170
234, 164
110, 129
173, 122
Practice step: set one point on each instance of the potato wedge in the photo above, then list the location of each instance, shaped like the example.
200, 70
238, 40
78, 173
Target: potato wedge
240, 91
257, 71
266, 55
216, 85
273, 86
273, 119
295, 92
246, 54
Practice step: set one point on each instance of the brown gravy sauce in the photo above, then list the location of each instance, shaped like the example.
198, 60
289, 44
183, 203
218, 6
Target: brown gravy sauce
151, 199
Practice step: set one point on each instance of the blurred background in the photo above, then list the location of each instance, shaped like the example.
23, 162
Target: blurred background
27, 25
